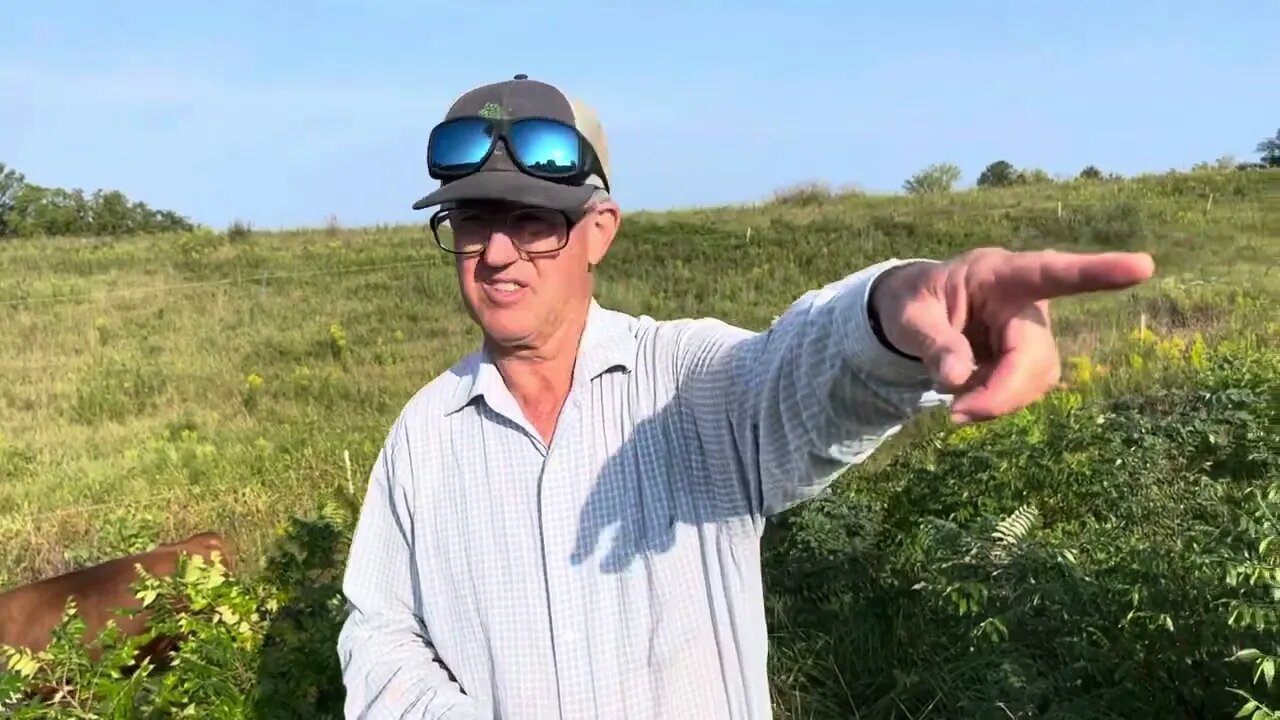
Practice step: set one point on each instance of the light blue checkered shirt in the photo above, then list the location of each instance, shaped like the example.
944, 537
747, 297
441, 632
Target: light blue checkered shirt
615, 574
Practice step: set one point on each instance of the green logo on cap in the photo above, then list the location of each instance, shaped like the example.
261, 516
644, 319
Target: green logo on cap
492, 111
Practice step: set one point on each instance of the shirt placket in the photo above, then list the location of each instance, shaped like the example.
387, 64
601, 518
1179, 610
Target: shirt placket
560, 493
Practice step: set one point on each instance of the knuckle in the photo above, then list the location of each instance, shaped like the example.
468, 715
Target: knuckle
996, 251
986, 252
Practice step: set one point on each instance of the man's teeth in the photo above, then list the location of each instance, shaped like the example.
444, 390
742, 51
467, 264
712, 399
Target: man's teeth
507, 286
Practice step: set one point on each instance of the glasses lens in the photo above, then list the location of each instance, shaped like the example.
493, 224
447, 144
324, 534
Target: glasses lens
468, 231
538, 230
533, 230
459, 145
547, 147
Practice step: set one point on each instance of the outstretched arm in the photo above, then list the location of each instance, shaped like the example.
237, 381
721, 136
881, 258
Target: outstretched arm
389, 666
791, 407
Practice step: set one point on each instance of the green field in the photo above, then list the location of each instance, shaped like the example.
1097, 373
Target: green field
162, 385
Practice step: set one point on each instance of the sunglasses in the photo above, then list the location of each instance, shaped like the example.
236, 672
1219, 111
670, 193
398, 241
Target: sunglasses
541, 147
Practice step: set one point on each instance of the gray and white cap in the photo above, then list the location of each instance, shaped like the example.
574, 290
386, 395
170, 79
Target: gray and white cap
499, 178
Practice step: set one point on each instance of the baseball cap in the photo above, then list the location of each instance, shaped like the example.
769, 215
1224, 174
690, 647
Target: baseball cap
499, 178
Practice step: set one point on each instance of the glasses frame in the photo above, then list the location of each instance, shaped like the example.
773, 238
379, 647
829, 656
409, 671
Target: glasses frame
440, 216
501, 132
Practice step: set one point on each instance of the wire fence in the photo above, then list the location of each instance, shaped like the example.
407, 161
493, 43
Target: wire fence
953, 208
16, 519
10, 521
263, 277
959, 210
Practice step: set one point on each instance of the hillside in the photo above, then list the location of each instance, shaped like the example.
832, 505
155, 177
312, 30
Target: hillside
162, 385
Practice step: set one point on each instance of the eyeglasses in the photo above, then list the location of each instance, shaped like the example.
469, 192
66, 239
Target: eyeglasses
534, 231
541, 147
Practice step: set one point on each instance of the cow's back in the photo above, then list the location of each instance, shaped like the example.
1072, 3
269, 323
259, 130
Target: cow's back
29, 613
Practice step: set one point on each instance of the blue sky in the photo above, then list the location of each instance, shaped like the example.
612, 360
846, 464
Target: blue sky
283, 112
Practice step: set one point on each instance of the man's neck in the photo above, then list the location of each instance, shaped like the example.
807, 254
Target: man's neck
539, 377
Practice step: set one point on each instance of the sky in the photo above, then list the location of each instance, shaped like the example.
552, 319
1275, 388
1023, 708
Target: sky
284, 113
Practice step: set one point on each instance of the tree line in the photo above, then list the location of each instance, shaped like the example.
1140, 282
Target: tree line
30, 210
942, 177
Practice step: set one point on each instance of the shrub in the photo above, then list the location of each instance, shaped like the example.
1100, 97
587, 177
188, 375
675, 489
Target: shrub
1110, 552
1000, 173
937, 178
255, 647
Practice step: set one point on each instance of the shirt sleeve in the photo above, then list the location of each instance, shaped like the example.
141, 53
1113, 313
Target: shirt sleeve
786, 410
389, 667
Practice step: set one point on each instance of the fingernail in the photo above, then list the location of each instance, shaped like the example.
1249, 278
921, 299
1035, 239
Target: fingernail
955, 370
960, 418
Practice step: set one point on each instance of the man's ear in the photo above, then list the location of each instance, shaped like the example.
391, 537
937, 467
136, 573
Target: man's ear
603, 224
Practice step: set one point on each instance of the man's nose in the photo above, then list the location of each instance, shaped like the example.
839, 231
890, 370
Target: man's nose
501, 249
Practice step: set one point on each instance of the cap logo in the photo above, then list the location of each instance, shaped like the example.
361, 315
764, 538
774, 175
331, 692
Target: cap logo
493, 111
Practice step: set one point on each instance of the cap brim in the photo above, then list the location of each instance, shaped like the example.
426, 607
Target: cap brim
511, 186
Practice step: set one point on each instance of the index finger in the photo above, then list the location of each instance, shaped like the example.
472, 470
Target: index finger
1046, 274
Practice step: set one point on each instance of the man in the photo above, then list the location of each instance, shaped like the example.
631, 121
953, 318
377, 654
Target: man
566, 523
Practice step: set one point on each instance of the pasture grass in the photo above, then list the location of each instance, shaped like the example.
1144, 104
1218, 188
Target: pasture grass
161, 386
194, 381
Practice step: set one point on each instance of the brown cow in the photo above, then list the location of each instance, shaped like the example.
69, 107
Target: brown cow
29, 613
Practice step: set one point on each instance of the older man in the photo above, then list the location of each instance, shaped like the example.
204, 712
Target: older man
566, 524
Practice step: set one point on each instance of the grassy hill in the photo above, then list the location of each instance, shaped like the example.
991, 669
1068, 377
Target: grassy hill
163, 385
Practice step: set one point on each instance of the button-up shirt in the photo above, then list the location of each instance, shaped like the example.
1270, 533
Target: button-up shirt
616, 571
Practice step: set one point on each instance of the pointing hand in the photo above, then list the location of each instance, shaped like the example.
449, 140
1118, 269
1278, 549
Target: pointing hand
980, 321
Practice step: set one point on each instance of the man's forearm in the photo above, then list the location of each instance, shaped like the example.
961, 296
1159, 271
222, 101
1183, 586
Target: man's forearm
806, 398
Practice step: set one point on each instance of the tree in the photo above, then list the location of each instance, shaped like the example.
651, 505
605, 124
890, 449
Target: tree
1000, 173
111, 214
1270, 149
937, 178
1032, 176
1222, 164
1091, 172
11, 183
28, 210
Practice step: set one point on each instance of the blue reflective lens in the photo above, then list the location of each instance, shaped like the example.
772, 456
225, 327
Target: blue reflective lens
546, 147
459, 145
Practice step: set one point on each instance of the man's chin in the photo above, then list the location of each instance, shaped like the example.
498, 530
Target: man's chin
508, 331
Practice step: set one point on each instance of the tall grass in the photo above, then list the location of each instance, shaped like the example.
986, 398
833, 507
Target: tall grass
158, 386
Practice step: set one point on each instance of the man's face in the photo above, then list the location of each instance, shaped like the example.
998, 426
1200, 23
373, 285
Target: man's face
517, 292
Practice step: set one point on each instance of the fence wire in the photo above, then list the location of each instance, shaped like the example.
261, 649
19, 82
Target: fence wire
105, 295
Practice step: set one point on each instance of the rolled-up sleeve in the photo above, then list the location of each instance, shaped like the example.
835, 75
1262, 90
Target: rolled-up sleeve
789, 408
389, 667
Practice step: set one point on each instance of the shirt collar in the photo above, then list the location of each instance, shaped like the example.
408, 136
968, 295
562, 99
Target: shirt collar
608, 343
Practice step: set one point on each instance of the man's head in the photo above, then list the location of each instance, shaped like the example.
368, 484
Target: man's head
524, 190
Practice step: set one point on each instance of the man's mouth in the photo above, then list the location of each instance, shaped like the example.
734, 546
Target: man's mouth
503, 292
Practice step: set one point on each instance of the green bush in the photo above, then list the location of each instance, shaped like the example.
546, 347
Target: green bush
1109, 552
260, 647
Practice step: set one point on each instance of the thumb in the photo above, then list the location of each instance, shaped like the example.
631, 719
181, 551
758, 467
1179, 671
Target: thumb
942, 346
